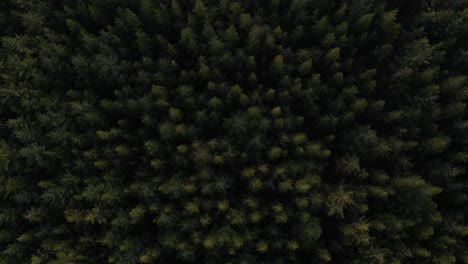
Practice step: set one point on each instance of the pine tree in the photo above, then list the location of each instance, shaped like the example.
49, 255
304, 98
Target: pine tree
233, 132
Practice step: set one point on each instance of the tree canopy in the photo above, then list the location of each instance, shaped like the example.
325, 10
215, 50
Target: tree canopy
282, 131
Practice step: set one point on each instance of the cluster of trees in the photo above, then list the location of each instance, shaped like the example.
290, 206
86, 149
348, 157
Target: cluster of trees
280, 131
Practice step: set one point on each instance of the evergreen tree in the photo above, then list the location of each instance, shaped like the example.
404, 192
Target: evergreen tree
233, 131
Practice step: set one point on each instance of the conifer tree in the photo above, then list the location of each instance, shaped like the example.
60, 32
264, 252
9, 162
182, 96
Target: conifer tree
233, 131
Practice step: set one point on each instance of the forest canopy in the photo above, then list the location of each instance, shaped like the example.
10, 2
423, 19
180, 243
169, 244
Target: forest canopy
203, 131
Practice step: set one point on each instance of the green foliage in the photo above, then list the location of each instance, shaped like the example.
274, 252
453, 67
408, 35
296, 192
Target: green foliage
231, 35
332, 55
309, 232
338, 201
278, 64
305, 67
233, 131
362, 24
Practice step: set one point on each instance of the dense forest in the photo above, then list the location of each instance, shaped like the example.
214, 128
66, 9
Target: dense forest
233, 131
